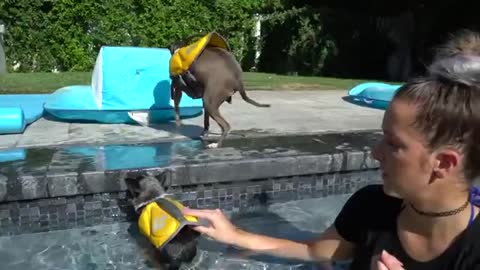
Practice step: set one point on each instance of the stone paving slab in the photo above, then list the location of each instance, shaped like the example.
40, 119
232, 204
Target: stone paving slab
10, 140
44, 132
291, 112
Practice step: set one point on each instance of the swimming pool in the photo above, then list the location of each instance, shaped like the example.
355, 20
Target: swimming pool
119, 246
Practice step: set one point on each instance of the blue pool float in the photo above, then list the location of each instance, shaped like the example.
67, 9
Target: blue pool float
129, 85
18, 111
373, 94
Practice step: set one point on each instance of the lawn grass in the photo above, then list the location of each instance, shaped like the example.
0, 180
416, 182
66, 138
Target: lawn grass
25, 83
266, 81
30, 83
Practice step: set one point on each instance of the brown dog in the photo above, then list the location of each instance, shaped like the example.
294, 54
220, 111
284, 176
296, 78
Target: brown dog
215, 76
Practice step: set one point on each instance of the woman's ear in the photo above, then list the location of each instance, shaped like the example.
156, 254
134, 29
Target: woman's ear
446, 161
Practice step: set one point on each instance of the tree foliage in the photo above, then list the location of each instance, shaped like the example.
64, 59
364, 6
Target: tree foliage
298, 36
66, 35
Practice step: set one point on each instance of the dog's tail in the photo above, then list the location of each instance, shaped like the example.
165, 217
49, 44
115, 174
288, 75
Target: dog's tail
243, 94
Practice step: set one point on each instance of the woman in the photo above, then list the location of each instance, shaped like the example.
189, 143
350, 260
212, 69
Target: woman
423, 216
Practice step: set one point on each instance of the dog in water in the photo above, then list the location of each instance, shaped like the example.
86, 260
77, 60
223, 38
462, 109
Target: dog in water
161, 220
207, 69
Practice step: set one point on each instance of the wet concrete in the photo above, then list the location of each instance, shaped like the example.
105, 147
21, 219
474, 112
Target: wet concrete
68, 170
306, 144
73, 158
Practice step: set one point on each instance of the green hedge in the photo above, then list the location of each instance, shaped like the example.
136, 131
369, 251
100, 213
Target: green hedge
67, 34
296, 39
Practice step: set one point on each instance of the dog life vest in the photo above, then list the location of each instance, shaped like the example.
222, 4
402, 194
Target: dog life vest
161, 220
182, 61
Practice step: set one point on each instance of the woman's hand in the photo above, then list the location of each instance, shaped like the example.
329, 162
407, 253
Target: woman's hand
387, 261
220, 228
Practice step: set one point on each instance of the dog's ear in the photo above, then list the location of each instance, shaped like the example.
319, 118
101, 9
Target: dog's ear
133, 185
165, 178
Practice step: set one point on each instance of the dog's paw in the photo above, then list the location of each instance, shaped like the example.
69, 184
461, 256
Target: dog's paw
212, 145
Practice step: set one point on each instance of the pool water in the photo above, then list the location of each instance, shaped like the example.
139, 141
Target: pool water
120, 246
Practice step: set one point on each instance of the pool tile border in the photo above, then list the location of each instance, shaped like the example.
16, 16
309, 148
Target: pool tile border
49, 214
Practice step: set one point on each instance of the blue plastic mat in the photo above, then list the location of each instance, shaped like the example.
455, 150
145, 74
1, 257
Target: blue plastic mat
77, 103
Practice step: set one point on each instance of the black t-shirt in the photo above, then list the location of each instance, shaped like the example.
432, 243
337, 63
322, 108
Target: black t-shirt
368, 219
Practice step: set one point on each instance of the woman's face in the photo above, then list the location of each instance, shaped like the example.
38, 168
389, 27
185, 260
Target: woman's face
405, 161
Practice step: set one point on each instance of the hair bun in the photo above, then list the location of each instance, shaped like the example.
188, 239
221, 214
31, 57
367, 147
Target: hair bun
463, 69
464, 42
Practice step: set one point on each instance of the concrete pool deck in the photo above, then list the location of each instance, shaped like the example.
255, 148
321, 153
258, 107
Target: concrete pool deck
292, 112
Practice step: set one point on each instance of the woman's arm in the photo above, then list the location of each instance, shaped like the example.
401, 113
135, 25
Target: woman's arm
330, 245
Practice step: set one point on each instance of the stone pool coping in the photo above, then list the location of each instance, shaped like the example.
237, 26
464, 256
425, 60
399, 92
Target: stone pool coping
57, 172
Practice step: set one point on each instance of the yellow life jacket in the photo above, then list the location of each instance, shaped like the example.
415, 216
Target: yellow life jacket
184, 57
161, 220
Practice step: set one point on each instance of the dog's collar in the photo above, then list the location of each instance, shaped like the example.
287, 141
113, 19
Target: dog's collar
141, 205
